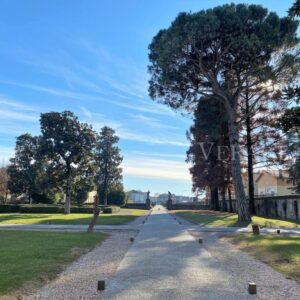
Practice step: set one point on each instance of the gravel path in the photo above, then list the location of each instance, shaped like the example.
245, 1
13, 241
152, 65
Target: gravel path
166, 262
79, 280
271, 285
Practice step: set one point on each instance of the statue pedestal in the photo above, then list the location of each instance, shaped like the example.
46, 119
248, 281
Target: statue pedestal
148, 203
169, 204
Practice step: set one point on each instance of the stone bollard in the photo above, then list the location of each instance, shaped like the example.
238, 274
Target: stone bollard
255, 229
101, 285
252, 288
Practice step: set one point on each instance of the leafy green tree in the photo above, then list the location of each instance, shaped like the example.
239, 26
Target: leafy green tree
82, 186
108, 160
215, 51
25, 166
116, 196
3, 184
67, 145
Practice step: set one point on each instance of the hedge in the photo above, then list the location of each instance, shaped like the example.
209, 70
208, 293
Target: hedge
110, 209
53, 209
9, 208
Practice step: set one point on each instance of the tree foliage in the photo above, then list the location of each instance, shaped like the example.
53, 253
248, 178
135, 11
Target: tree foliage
209, 152
294, 11
214, 52
3, 184
290, 124
25, 166
108, 160
67, 144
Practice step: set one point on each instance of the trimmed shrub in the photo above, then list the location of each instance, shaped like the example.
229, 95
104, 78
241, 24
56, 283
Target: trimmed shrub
110, 209
82, 210
41, 209
9, 208
53, 209
40, 198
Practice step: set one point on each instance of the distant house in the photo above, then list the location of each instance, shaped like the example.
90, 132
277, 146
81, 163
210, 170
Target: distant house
266, 184
246, 185
90, 198
274, 183
137, 196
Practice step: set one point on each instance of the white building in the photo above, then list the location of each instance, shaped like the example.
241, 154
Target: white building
137, 196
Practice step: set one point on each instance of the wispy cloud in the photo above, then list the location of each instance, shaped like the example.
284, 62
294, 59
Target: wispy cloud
136, 77
125, 132
70, 76
13, 110
155, 168
149, 139
173, 156
4, 101
5, 154
48, 90
98, 120
10, 114
137, 106
150, 121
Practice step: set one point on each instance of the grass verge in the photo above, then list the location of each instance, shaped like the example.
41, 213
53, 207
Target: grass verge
223, 219
123, 217
280, 252
36, 257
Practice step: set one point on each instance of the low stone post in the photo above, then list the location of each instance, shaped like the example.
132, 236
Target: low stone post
252, 288
101, 285
255, 229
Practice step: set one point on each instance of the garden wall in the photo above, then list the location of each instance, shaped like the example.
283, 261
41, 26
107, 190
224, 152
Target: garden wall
283, 207
193, 206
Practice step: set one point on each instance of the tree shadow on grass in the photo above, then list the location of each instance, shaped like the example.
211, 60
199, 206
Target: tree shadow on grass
51, 219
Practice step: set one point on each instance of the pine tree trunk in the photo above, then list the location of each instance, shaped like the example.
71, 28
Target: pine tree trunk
230, 201
242, 209
250, 162
224, 206
214, 198
217, 205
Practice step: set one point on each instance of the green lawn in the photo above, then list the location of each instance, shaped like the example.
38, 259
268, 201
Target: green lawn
220, 219
280, 252
123, 217
35, 257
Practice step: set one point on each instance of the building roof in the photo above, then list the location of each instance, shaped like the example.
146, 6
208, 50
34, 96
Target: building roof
279, 174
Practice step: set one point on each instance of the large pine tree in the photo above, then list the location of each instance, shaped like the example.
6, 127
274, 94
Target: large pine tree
215, 51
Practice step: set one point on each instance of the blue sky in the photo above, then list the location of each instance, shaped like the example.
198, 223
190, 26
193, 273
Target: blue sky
90, 57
